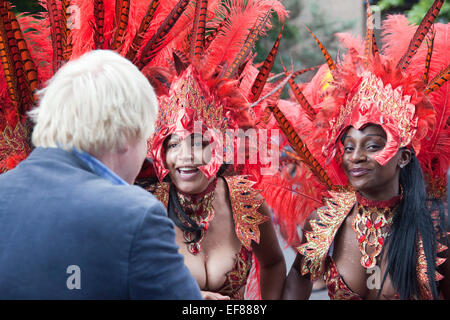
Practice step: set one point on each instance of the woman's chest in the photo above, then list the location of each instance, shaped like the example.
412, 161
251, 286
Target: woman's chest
347, 253
219, 251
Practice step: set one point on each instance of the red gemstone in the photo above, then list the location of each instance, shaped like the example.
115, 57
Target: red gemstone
368, 223
362, 238
380, 240
368, 262
378, 225
195, 248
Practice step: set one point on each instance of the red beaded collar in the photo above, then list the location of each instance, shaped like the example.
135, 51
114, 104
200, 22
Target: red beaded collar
380, 204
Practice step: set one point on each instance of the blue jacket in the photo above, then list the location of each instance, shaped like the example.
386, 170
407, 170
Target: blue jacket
66, 233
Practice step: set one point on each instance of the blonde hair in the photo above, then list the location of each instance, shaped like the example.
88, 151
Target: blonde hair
95, 103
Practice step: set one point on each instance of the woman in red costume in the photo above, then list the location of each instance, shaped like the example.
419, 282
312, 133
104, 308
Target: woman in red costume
378, 230
197, 55
221, 220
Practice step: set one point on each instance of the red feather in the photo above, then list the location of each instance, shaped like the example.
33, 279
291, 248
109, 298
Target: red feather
121, 22
420, 34
263, 74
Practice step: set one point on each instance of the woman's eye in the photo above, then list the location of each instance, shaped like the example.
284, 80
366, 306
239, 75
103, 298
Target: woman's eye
348, 149
373, 147
172, 145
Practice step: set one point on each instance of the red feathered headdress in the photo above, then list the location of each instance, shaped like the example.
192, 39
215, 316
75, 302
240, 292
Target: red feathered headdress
401, 88
213, 39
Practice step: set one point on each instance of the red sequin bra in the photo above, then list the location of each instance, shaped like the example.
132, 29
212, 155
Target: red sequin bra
244, 205
319, 264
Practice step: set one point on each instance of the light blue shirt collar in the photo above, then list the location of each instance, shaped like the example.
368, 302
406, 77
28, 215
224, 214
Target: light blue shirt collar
98, 167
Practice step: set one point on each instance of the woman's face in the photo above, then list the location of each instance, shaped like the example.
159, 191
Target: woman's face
365, 174
183, 159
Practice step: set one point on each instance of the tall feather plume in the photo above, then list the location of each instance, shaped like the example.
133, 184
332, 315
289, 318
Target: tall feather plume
267, 66
232, 45
252, 37
325, 53
300, 148
156, 42
302, 71
198, 32
66, 36
18, 67
420, 34
435, 147
56, 32
302, 100
371, 47
439, 80
143, 28
99, 19
6, 58
430, 45
30, 80
212, 35
121, 22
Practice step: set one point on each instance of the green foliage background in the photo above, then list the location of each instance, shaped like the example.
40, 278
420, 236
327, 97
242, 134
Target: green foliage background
415, 10
26, 6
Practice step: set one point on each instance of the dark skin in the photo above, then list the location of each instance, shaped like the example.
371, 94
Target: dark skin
374, 182
221, 244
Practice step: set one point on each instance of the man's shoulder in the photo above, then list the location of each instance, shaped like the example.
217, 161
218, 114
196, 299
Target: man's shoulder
118, 196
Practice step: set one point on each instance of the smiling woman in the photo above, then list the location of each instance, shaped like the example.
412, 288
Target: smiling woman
375, 113
220, 219
365, 174
223, 226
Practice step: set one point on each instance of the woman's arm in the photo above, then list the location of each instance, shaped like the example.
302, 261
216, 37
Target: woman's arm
270, 258
298, 287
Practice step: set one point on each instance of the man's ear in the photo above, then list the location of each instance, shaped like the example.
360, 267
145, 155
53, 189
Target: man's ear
123, 148
405, 157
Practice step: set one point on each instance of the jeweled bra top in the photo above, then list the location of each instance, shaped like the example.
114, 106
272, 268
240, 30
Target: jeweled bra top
244, 205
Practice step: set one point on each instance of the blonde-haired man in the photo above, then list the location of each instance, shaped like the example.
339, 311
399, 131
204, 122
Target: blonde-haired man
72, 224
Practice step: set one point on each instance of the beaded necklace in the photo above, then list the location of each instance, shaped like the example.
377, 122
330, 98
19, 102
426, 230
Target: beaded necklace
372, 225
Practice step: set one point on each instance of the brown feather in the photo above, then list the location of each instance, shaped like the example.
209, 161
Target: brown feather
248, 45
439, 80
121, 23
155, 44
302, 71
304, 103
299, 147
99, 19
19, 69
198, 43
264, 72
214, 32
145, 24
56, 34
66, 35
420, 34
325, 53
430, 45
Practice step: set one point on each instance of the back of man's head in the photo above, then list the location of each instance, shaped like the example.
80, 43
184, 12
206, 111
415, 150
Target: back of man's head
94, 104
